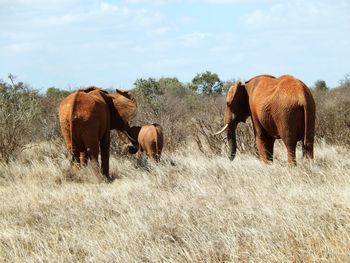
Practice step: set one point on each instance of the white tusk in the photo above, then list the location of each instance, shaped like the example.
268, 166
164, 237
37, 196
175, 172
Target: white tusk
222, 130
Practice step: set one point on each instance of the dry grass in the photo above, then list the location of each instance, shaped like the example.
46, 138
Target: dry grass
202, 209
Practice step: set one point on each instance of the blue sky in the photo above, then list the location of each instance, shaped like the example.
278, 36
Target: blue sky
74, 43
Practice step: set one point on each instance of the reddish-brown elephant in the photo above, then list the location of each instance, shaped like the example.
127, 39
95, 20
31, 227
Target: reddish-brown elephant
86, 118
279, 108
150, 140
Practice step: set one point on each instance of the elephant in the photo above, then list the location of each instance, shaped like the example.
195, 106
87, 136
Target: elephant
150, 140
280, 108
86, 118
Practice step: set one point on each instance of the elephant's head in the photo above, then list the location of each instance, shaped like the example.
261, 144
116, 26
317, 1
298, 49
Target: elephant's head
124, 108
125, 105
237, 110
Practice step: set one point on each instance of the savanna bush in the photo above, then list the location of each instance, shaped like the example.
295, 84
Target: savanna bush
19, 108
333, 115
49, 113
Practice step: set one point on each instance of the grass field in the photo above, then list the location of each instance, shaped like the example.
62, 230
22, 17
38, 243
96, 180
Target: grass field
190, 208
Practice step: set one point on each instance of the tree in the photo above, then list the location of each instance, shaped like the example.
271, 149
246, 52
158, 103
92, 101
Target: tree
148, 87
207, 83
19, 106
345, 83
149, 90
53, 92
321, 85
172, 85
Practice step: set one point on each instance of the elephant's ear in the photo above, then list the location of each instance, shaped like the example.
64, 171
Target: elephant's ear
125, 104
241, 105
239, 84
232, 92
240, 88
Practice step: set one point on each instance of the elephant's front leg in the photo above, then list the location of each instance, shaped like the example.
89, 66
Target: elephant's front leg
264, 142
104, 145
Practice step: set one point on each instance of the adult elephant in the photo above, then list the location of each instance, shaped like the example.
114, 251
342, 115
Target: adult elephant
86, 118
279, 108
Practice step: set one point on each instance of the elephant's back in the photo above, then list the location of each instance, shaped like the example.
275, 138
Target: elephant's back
147, 135
83, 112
77, 105
85, 107
290, 85
286, 89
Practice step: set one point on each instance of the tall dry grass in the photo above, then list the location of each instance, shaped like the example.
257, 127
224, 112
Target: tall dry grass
190, 208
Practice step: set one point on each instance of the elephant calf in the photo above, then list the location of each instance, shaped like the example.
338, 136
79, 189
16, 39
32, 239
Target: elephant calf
150, 139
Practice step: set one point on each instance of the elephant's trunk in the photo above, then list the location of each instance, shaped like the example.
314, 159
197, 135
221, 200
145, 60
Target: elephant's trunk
229, 116
130, 134
231, 120
231, 137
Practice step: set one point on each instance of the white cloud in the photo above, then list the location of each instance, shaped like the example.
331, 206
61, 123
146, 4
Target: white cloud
62, 24
160, 31
301, 15
237, 1
20, 48
193, 39
107, 45
304, 38
153, 2
12, 6
185, 20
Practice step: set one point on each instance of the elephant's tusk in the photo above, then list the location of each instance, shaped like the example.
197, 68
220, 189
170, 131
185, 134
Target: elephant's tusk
222, 130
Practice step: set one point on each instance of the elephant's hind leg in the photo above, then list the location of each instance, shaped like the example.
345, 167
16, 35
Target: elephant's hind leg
291, 146
104, 145
83, 158
92, 149
308, 150
76, 160
155, 156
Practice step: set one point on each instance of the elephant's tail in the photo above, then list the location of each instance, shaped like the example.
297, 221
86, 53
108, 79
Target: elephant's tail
71, 122
159, 140
309, 124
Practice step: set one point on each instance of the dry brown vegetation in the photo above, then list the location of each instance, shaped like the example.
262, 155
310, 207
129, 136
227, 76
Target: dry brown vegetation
202, 209
195, 206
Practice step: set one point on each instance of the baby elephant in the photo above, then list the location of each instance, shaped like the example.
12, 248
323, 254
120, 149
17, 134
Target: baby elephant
150, 139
